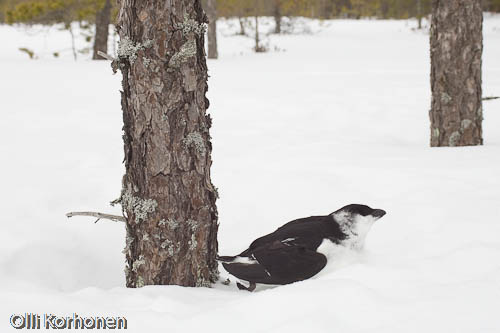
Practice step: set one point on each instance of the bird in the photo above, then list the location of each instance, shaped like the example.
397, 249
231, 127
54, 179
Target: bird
296, 250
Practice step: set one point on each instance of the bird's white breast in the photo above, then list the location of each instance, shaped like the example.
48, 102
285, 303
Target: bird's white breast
329, 249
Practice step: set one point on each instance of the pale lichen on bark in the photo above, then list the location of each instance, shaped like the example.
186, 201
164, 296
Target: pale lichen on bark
171, 248
170, 223
139, 282
192, 224
140, 207
138, 263
128, 242
127, 49
189, 28
190, 25
187, 51
196, 141
193, 243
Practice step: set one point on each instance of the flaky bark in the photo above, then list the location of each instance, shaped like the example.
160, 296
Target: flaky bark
168, 198
212, 29
102, 30
456, 51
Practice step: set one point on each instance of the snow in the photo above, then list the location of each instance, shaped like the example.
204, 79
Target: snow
335, 113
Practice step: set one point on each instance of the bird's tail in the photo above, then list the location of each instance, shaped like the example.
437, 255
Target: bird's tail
226, 258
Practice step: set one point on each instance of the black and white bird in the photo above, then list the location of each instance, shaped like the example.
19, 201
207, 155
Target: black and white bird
294, 251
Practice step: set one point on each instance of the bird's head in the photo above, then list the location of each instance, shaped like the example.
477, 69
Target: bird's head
355, 221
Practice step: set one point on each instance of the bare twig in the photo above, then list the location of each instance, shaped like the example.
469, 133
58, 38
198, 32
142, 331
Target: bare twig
115, 62
99, 216
73, 47
106, 56
489, 98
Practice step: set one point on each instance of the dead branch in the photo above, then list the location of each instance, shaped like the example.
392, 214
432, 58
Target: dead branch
106, 56
489, 98
99, 216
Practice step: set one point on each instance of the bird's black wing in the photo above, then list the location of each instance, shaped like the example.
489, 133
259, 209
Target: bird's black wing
309, 231
279, 263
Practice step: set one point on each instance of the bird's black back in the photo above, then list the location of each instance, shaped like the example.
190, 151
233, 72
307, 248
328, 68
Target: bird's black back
306, 232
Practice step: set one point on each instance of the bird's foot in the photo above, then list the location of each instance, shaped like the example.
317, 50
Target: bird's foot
250, 288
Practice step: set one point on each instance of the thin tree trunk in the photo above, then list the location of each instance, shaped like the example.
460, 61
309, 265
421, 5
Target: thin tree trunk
419, 13
456, 50
277, 16
168, 198
212, 29
102, 21
242, 26
257, 46
384, 8
257, 12
73, 46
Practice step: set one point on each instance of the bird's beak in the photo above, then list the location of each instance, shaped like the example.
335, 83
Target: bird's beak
378, 213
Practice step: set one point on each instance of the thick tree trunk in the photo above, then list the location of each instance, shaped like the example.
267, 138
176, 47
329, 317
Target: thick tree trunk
212, 29
456, 50
102, 30
168, 198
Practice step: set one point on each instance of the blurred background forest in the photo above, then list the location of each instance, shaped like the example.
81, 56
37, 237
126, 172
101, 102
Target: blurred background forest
52, 11
94, 16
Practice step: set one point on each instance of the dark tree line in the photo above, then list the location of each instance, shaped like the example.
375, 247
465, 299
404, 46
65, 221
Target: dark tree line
48, 12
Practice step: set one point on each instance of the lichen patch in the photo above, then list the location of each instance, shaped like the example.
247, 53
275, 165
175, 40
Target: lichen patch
187, 51
190, 25
196, 141
140, 207
128, 50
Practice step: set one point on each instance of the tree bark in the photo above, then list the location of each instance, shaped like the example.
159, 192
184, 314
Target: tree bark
102, 21
212, 29
456, 50
168, 198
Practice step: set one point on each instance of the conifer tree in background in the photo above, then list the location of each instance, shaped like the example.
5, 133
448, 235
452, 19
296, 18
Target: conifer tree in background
456, 56
277, 16
50, 12
168, 198
212, 29
323, 9
102, 21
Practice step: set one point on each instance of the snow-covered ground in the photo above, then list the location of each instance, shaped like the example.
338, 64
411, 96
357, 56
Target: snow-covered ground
334, 114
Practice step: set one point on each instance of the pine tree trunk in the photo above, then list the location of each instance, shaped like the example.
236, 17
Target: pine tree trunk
277, 16
168, 198
257, 46
456, 51
102, 30
419, 13
212, 29
242, 26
